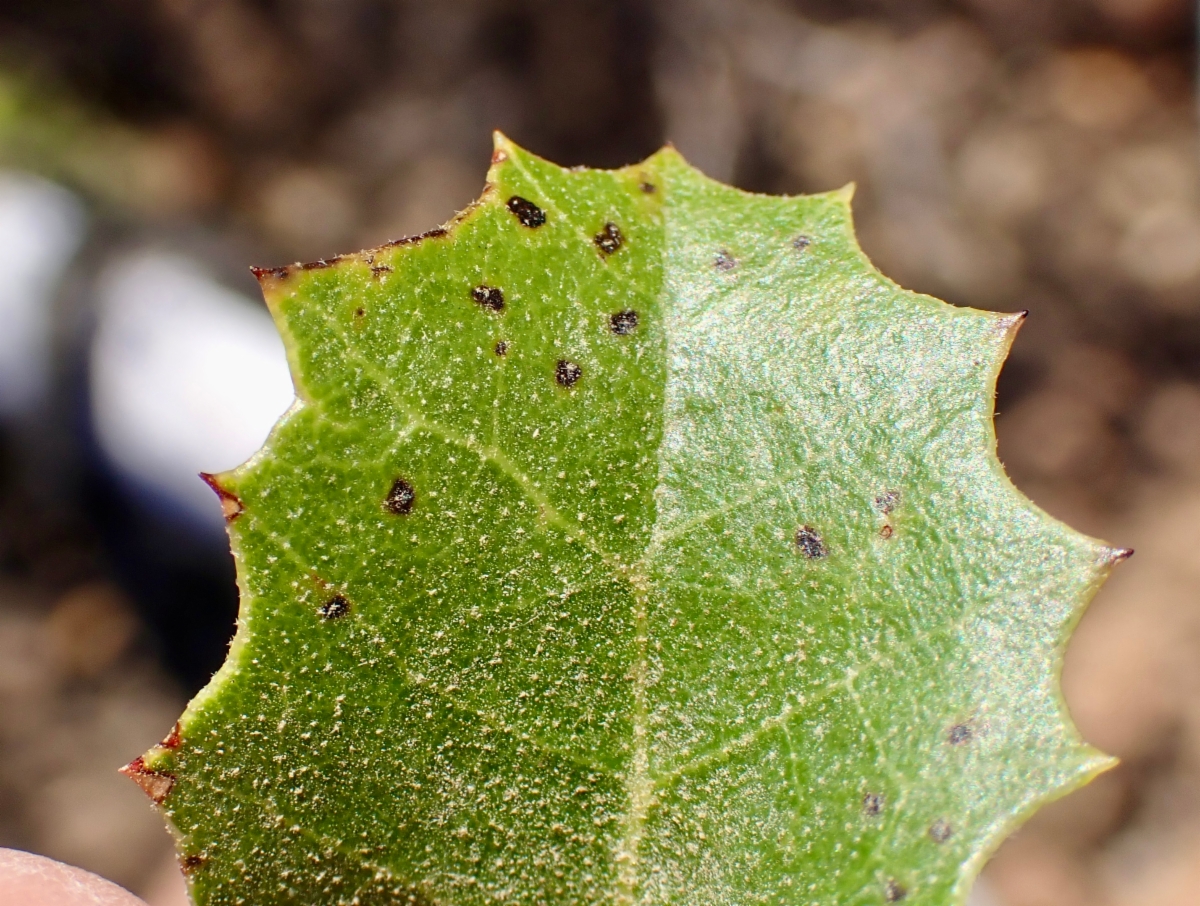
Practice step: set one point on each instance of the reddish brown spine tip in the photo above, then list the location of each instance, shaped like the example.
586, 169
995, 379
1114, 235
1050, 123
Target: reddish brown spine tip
231, 504
499, 156
172, 741
1114, 555
262, 274
155, 784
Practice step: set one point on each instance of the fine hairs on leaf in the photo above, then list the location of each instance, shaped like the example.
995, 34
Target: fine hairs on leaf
632, 540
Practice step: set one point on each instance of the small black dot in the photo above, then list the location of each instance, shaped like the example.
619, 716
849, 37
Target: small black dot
624, 322
648, 187
800, 243
490, 297
809, 543
400, 498
567, 373
940, 831
335, 608
527, 212
359, 312
872, 804
959, 734
501, 348
894, 891
724, 261
609, 239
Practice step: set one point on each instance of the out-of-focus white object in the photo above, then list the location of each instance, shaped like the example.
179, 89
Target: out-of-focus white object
186, 376
41, 226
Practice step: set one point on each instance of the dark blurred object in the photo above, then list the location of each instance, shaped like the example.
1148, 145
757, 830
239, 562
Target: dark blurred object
1009, 154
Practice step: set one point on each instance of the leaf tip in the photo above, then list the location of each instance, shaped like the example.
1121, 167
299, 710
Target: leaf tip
1111, 556
155, 784
231, 504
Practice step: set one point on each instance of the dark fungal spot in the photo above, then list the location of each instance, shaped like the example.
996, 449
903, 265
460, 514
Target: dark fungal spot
567, 373
940, 831
378, 270
800, 243
886, 502
886, 532
527, 212
501, 348
960, 734
609, 239
623, 323
809, 543
724, 261
191, 862
490, 297
400, 498
335, 608
894, 891
359, 312
872, 804
648, 187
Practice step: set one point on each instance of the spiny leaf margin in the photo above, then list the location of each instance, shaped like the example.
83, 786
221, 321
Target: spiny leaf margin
718, 321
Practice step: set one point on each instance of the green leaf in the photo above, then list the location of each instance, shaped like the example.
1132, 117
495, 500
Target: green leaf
632, 540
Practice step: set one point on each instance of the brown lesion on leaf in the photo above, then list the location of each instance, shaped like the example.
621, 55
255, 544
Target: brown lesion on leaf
155, 784
401, 497
940, 831
886, 531
231, 504
810, 543
609, 239
724, 260
894, 891
872, 804
189, 862
567, 373
335, 608
961, 734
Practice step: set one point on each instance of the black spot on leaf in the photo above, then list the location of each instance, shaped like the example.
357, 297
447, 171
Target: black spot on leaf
609, 239
648, 187
567, 373
960, 734
894, 891
489, 297
335, 608
359, 312
501, 348
809, 543
527, 212
940, 831
886, 532
724, 261
800, 243
872, 804
624, 322
400, 498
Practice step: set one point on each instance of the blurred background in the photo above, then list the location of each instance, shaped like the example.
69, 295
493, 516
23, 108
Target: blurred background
1009, 154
